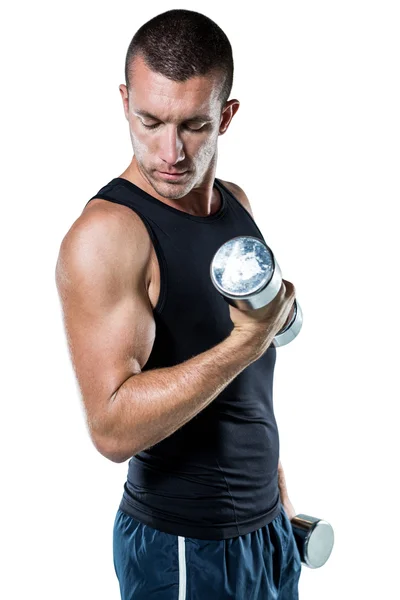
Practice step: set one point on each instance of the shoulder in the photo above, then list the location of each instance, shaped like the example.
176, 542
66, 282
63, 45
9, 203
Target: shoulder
107, 222
103, 237
239, 194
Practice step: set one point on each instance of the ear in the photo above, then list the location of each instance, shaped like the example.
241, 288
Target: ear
229, 110
125, 99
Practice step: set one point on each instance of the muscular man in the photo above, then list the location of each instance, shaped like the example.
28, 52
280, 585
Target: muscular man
172, 377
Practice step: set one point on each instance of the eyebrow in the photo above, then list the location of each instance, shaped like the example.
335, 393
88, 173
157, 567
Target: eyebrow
144, 113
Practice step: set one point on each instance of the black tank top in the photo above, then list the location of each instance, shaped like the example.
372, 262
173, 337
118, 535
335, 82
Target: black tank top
217, 476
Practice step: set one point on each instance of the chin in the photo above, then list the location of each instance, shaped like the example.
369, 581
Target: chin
172, 192
171, 189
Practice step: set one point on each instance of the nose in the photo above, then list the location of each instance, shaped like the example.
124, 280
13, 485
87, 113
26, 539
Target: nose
171, 146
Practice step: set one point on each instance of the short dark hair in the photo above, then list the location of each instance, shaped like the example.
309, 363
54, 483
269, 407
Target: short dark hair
181, 44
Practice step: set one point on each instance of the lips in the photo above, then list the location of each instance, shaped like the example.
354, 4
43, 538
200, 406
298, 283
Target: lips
172, 172
172, 176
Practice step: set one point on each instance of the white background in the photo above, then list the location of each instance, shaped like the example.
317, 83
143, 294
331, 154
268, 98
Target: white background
315, 145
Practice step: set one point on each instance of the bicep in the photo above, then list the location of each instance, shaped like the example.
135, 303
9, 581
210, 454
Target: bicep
107, 314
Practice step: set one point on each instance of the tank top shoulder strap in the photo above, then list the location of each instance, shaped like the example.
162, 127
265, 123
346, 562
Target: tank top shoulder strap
230, 197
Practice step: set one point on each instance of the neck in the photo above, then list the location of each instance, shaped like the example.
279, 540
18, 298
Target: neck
202, 200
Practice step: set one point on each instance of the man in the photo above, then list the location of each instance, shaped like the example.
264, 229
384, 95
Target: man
173, 377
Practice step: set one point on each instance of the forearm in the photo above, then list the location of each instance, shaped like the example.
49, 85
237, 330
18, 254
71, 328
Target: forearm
153, 404
282, 483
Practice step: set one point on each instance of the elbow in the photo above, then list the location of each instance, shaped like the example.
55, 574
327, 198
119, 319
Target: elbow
116, 458
109, 449
105, 440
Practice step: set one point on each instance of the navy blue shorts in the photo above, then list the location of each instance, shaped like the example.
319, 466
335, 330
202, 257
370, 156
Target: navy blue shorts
153, 565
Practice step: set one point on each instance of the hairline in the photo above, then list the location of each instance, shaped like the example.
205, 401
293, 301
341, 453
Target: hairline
212, 72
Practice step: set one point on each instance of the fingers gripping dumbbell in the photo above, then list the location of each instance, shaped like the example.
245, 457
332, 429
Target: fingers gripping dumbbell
245, 271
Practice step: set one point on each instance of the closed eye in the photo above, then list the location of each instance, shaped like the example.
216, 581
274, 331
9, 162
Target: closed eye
150, 126
185, 126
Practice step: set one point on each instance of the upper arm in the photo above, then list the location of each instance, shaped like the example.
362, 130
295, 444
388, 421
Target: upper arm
102, 279
239, 194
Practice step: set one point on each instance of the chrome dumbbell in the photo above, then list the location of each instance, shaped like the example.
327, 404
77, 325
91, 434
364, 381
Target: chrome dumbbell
314, 539
245, 271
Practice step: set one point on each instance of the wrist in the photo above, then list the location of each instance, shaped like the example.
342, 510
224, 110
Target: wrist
251, 340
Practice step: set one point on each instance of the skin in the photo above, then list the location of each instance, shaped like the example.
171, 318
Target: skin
176, 143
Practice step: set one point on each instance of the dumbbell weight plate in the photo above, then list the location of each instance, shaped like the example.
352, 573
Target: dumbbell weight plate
314, 539
246, 273
288, 333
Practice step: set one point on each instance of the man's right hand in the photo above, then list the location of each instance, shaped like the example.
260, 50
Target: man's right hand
262, 324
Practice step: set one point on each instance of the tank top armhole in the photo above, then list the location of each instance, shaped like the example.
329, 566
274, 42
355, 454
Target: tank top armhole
158, 250
239, 204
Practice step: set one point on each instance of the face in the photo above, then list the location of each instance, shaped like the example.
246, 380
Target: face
174, 127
